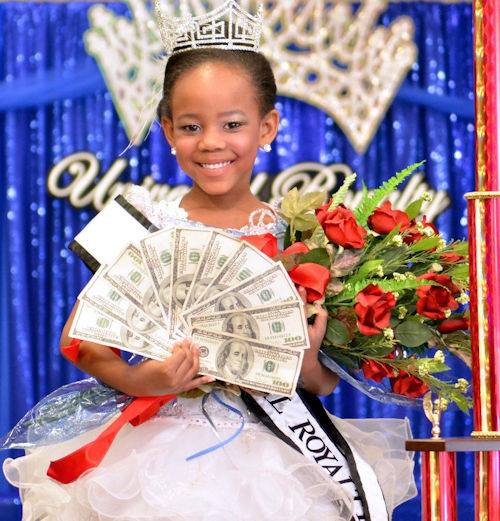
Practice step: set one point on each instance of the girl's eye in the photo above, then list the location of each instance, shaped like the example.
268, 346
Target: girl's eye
190, 128
233, 125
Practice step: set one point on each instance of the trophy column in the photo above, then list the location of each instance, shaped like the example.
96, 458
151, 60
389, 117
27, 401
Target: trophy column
484, 250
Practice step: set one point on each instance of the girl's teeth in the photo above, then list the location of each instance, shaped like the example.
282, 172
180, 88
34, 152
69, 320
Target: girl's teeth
215, 165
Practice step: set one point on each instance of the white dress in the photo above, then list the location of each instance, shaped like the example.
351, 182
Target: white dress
255, 477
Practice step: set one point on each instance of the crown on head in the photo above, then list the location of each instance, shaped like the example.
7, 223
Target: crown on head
328, 54
226, 27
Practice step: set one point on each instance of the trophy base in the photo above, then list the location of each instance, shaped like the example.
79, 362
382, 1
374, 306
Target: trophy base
486, 435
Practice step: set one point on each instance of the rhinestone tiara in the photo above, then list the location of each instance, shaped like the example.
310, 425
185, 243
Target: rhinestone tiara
226, 27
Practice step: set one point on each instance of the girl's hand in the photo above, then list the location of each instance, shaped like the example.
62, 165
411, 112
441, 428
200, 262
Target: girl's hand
177, 374
315, 377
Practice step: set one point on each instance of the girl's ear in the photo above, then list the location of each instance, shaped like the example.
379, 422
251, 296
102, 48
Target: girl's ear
168, 130
269, 127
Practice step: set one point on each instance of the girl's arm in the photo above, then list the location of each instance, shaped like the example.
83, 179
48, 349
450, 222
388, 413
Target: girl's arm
176, 374
316, 378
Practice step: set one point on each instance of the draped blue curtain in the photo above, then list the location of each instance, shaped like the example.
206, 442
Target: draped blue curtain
53, 102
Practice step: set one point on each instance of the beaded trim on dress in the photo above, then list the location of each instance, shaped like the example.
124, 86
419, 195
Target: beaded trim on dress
168, 213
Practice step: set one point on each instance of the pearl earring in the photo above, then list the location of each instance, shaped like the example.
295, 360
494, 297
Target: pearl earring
173, 151
266, 147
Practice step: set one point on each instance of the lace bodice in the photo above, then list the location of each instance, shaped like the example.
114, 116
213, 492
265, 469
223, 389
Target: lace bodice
169, 213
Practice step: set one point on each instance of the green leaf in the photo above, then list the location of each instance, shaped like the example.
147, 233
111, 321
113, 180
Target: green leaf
289, 204
304, 222
341, 355
318, 256
460, 248
463, 402
413, 209
340, 194
427, 243
336, 332
388, 238
366, 268
371, 201
287, 239
318, 238
412, 334
459, 271
311, 200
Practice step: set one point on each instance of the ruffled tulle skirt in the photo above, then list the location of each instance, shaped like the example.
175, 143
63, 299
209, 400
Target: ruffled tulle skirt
257, 477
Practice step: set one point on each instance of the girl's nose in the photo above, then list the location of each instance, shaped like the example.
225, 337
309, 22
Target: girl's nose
211, 140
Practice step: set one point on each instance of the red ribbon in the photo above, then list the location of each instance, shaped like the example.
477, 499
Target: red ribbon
71, 467
72, 352
266, 243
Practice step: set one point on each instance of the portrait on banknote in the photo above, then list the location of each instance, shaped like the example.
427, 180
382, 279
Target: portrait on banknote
180, 289
164, 293
234, 358
151, 305
231, 301
241, 324
137, 321
132, 341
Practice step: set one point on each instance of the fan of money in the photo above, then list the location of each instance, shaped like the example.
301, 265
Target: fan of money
239, 306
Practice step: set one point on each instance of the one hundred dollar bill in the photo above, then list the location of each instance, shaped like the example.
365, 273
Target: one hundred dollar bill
271, 287
188, 247
91, 324
247, 262
248, 363
282, 325
220, 248
104, 296
129, 275
156, 251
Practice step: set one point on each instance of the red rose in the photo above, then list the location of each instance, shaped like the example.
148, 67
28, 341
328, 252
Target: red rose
453, 324
434, 301
296, 247
408, 385
266, 243
451, 258
384, 219
312, 277
341, 226
373, 309
444, 280
376, 371
413, 234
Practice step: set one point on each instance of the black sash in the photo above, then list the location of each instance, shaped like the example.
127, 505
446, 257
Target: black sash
303, 424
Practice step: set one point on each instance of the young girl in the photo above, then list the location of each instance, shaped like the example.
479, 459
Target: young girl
217, 110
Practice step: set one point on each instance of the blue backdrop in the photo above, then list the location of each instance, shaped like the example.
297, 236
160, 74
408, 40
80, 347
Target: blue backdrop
53, 102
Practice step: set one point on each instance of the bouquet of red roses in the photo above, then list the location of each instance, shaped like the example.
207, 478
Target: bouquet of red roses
393, 288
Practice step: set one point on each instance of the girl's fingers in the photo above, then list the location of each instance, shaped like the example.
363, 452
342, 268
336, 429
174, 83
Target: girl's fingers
185, 368
196, 382
196, 359
322, 313
192, 371
302, 294
320, 321
178, 356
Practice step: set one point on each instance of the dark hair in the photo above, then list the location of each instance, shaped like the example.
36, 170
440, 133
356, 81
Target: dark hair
254, 64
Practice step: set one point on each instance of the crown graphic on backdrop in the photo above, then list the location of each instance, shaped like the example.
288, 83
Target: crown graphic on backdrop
334, 57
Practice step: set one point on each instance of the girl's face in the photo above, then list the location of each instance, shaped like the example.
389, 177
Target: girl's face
216, 127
